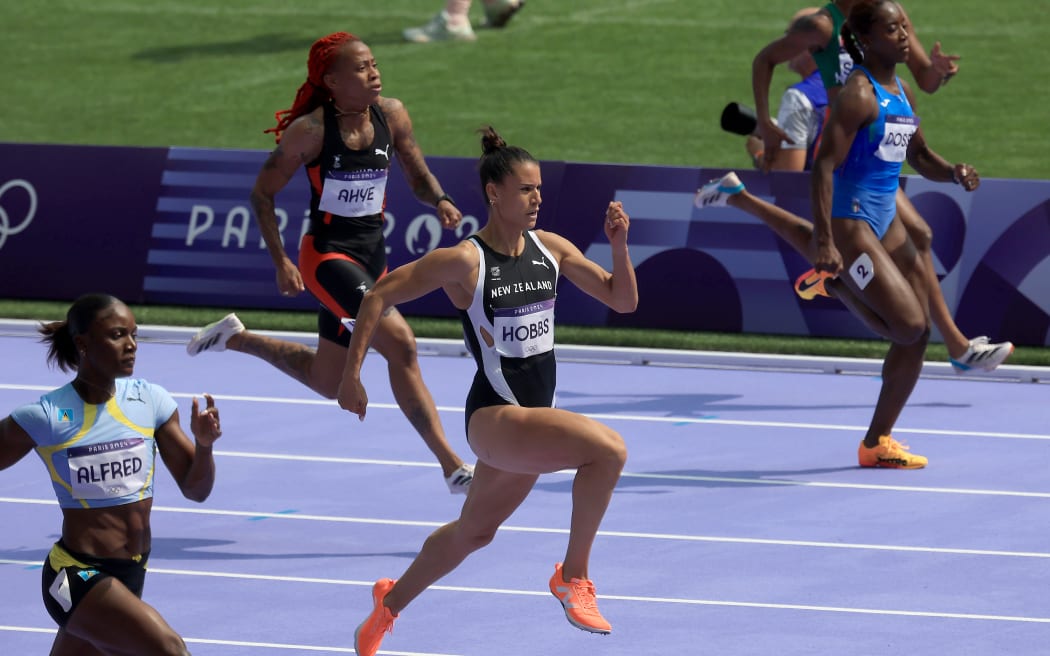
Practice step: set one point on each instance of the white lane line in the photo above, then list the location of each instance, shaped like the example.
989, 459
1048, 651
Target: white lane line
611, 416
636, 535
628, 598
736, 480
243, 643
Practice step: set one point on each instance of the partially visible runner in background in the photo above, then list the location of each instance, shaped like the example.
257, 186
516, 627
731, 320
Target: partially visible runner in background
453, 22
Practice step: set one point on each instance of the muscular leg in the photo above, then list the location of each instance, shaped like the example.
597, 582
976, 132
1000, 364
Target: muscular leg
396, 342
592, 490
322, 370
515, 445
922, 237
536, 440
492, 497
896, 295
793, 229
321, 374
117, 623
67, 644
798, 233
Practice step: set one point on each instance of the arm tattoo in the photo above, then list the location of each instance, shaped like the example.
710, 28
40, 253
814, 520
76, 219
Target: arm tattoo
422, 182
271, 161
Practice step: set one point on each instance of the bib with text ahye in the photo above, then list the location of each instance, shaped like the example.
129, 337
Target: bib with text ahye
354, 193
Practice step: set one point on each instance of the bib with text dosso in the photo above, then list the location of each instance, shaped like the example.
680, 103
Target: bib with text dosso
354, 193
109, 470
524, 331
896, 137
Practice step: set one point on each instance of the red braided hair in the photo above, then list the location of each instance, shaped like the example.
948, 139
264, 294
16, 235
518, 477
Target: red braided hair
312, 93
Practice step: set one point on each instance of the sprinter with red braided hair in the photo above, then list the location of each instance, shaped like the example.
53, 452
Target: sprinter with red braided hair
312, 93
345, 133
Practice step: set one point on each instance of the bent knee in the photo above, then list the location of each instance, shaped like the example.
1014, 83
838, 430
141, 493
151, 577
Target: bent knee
178, 648
919, 231
326, 385
398, 347
474, 538
402, 354
170, 644
613, 449
922, 236
912, 332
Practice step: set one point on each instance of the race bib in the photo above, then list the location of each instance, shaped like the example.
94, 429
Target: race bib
862, 270
353, 193
524, 331
109, 470
845, 66
896, 137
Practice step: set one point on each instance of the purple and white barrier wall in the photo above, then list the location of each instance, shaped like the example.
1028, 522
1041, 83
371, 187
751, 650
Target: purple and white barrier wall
173, 226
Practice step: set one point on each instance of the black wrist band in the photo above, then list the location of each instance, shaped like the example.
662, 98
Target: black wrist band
445, 197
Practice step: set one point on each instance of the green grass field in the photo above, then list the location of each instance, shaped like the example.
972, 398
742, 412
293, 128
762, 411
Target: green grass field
639, 81
587, 80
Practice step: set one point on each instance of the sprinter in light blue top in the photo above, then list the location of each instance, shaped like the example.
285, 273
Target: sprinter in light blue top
866, 183
858, 234
99, 437
99, 455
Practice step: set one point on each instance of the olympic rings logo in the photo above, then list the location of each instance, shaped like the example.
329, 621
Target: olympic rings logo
6, 228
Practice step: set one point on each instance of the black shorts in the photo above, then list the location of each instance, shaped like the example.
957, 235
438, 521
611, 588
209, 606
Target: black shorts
339, 280
536, 392
68, 576
481, 395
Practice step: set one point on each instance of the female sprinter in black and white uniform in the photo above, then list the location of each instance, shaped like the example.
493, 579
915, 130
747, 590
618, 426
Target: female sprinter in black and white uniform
502, 280
509, 327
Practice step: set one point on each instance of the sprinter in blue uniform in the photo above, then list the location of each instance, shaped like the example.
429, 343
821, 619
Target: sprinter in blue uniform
858, 229
858, 233
98, 437
819, 32
503, 281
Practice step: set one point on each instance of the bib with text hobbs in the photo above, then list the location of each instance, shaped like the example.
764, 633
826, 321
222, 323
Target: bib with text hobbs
110, 469
896, 136
524, 331
354, 193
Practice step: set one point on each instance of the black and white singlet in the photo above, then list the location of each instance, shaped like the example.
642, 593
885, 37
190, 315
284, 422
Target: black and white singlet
509, 327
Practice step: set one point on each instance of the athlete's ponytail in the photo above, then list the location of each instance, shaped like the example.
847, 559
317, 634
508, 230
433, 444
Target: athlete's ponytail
497, 158
849, 42
58, 335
